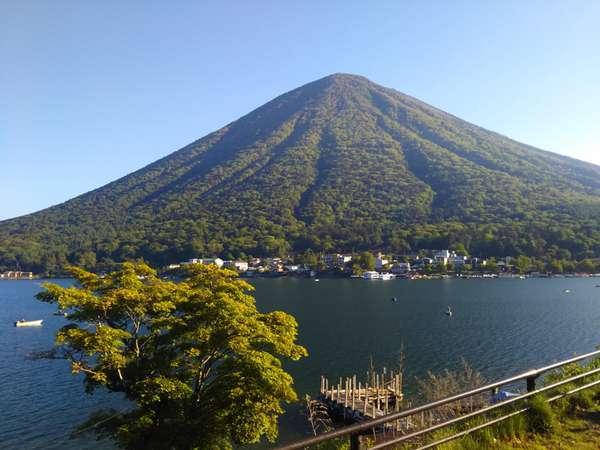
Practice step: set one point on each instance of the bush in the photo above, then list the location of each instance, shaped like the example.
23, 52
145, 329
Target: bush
540, 417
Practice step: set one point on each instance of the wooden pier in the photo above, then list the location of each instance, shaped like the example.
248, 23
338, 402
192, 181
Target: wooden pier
355, 401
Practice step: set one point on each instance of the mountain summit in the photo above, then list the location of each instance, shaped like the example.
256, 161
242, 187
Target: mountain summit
337, 164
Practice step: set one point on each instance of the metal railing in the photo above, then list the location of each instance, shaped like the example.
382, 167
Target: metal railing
355, 430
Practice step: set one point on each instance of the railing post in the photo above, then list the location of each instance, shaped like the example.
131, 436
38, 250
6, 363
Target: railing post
531, 383
355, 442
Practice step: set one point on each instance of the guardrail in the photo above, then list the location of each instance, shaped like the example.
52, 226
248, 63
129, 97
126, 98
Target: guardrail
355, 430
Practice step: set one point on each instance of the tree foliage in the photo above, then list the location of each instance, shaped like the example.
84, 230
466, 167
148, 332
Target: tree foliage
201, 366
340, 164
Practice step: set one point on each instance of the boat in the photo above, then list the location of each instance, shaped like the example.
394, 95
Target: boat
386, 276
598, 285
449, 312
567, 291
28, 323
316, 279
394, 299
60, 312
371, 275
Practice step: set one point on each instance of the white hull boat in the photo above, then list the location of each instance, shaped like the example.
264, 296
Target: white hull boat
28, 323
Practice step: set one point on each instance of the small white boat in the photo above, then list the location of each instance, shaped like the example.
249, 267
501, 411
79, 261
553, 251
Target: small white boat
449, 312
371, 275
28, 323
316, 279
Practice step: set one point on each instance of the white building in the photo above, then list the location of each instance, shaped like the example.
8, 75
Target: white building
336, 260
206, 261
458, 260
401, 267
442, 256
381, 261
240, 266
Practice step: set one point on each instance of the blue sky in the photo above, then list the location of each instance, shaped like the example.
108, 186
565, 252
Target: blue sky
90, 91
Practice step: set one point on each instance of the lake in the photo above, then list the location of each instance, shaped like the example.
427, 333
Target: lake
499, 326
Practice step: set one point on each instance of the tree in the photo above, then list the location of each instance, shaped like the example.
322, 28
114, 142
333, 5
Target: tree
586, 265
556, 266
367, 261
523, 263
200, 363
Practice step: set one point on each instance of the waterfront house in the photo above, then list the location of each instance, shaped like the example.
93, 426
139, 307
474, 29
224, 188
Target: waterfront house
336, 260
401, 268
458, 260
16, 275
240, 266
381, 261
442, 256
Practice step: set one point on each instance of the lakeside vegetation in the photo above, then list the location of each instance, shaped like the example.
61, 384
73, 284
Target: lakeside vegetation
200, 366
570, 422
337, 165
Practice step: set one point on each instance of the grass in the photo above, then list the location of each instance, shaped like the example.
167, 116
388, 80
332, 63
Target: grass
578, 431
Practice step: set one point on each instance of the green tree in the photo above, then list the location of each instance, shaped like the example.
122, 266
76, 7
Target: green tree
367, 261
201, 365
556, 266
491, 265
523, 264
586, 265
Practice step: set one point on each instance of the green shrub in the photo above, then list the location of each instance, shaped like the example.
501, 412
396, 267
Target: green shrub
515, 427
540, 417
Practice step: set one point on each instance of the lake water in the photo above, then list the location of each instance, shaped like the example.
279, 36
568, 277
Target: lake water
500, 327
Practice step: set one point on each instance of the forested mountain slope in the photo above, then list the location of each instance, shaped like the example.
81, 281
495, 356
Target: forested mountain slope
338, 164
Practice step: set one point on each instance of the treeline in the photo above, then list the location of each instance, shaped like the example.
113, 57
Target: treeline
557, 248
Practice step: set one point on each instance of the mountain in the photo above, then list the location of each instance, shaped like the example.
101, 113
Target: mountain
338, 164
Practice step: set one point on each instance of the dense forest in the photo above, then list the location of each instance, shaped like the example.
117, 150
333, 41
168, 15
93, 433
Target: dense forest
340, 164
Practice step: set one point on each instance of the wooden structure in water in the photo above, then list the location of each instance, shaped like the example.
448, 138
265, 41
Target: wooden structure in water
355, 401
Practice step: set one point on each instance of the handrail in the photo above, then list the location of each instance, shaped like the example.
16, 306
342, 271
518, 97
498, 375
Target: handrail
368, 424
484, 410
505, 417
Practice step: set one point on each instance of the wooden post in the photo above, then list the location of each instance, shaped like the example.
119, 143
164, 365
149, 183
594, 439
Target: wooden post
377, 390
353, 391
346, 393
385, 400
366, 399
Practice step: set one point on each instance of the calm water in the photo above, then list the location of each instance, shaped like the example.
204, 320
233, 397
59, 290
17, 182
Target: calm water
499, 326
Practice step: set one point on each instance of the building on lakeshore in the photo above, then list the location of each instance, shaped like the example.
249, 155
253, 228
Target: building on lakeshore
206, 261
458, 260
401, 268
442, 257
16, 275
240, 266
381, 261
336, 260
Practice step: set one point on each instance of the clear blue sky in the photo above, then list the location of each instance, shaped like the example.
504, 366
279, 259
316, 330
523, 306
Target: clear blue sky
90, 91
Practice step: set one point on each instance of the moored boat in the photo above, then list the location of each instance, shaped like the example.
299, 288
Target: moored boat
28, 323
371, 275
